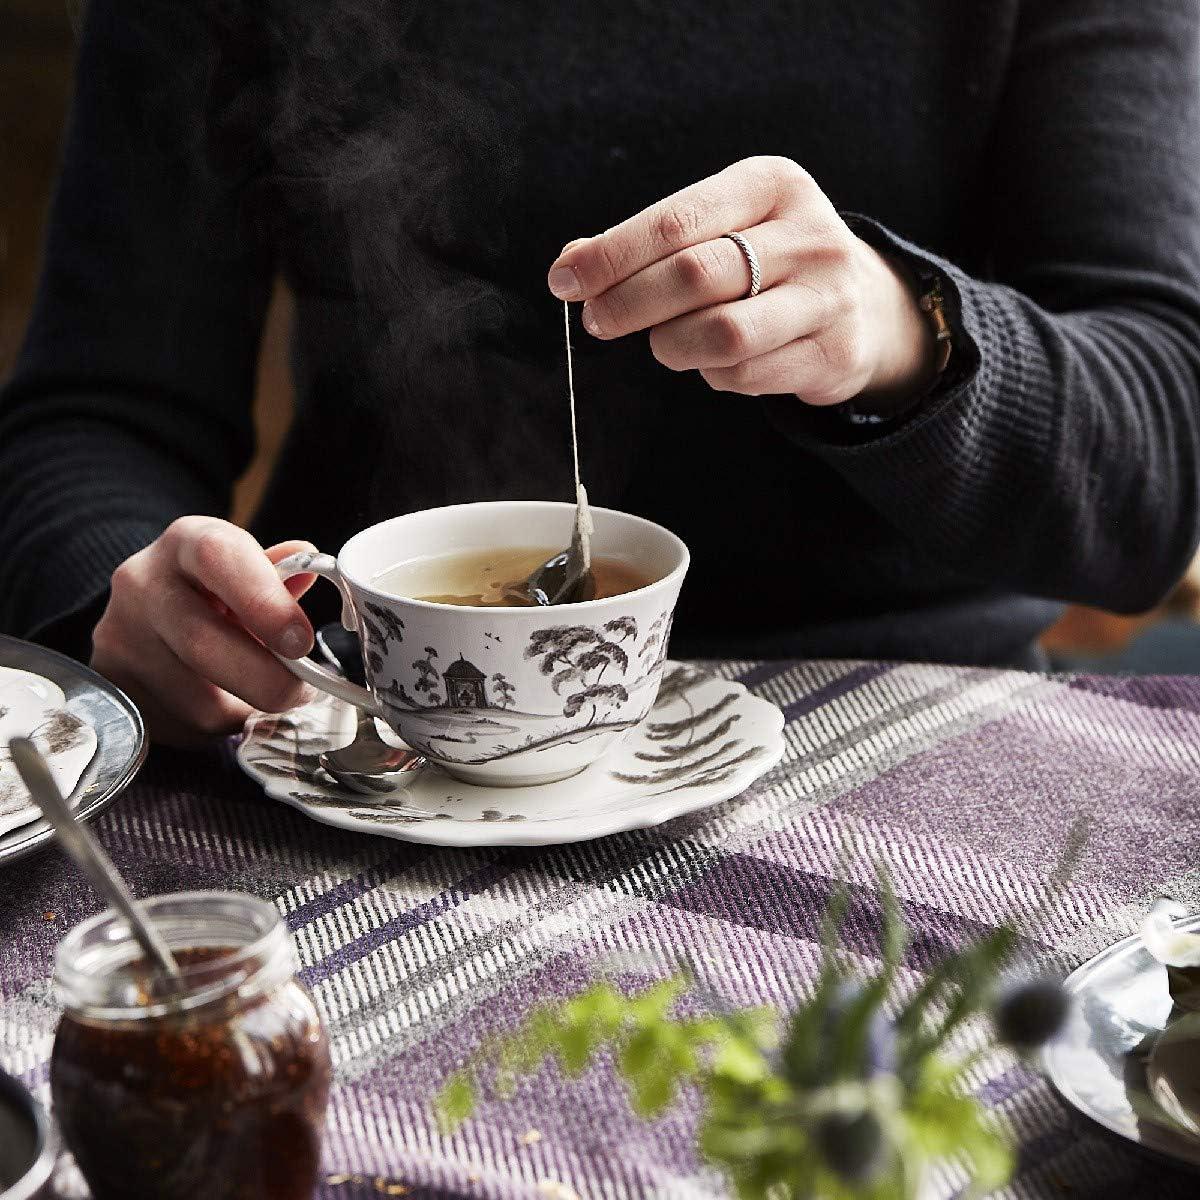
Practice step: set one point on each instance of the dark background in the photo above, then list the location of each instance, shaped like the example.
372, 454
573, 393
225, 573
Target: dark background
36, 55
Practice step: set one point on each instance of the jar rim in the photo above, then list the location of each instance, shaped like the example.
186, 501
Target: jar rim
90, 963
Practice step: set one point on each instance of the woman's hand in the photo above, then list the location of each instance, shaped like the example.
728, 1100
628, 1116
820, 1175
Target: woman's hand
187, 624
833, 320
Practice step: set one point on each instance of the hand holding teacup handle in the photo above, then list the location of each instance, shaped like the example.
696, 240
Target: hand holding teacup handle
322, 678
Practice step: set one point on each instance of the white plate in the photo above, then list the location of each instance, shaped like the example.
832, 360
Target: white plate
706, 739
1098, 1064
33, 706
21, 691
104, 709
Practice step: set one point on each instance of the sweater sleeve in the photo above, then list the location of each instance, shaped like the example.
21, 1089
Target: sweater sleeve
130, 402
1061, 457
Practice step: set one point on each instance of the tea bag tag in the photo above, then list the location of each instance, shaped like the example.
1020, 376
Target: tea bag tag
583, 526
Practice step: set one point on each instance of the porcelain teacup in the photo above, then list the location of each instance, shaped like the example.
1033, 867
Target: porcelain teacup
498, 695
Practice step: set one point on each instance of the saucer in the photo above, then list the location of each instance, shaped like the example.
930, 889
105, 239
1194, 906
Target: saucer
109, 715
35, 707
1099, 1062
705, 740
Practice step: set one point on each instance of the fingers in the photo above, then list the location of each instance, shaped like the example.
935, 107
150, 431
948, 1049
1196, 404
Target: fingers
736, 198
296, 585
228, 562
172, 633
221, 652
699, 276
819, 369
728, 334
180, 709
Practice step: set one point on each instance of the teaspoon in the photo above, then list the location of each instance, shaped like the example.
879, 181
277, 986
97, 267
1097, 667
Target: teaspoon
81, 844
368, 764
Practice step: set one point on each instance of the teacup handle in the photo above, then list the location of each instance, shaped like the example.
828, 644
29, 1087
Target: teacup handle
310, 562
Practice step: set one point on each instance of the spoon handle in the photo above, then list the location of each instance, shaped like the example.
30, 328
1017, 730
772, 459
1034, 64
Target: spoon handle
80, 843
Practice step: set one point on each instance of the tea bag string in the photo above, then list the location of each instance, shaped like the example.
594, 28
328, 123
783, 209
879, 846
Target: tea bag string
583, 515
571, 391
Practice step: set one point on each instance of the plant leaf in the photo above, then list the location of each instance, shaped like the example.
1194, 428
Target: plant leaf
456, 1101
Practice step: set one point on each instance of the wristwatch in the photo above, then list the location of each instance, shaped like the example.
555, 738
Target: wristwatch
927, 283
933, 303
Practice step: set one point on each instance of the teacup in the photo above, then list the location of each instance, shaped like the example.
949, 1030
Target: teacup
502, 696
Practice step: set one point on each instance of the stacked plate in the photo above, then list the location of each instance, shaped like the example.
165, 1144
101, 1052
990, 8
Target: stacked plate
89, 732
26, 1147
35, 707
1117, 1063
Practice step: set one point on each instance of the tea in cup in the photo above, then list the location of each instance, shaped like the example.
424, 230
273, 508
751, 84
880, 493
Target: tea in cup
501, 693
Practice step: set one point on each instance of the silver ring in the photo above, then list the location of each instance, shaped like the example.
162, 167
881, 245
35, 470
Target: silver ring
739, 240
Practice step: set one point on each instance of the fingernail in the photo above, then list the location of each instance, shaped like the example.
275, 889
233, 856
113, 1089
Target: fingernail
293, 641
589, 321
564, 283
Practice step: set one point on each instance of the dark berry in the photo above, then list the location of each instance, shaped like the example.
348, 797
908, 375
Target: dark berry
851, 1144
879, 1043
1029, 1014
881, 1046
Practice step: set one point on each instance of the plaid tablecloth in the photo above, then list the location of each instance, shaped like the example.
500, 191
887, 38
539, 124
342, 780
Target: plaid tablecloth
962, 783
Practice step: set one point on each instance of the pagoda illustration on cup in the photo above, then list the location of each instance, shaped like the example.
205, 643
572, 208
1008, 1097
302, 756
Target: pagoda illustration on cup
573, 683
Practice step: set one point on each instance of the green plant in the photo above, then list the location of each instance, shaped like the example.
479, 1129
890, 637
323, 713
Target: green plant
838, 1101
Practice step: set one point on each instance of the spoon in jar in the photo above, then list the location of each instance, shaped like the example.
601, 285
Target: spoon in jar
81, 844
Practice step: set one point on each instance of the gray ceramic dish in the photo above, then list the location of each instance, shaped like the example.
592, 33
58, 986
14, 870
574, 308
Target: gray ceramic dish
26, 1152
1099, 1063
120, 734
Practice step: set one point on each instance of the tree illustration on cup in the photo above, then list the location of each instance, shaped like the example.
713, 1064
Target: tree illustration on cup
581, 656
427, 676
380, 625
502, 690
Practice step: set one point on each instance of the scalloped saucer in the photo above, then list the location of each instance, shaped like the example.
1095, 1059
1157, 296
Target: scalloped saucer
705, 740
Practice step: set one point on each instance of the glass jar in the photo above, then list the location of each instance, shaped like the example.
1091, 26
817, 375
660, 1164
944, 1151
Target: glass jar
210, 1086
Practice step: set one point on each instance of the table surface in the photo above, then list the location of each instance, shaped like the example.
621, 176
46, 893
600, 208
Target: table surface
962, 782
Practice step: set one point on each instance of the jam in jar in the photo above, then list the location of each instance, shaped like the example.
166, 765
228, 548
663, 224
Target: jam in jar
213, 1085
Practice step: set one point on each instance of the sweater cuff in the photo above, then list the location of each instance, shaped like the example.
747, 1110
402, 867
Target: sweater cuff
838, 425
942, 457
60, 603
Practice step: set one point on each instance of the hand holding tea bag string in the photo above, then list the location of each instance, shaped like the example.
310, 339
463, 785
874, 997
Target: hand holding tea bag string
827, 319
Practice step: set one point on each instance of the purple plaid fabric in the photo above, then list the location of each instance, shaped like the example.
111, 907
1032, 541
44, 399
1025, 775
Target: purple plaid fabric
962, 783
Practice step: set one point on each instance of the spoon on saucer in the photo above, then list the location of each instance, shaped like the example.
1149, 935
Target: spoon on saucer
368, 765
81, 844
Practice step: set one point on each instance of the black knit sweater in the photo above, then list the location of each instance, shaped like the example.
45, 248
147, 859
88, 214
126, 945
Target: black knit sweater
413, 169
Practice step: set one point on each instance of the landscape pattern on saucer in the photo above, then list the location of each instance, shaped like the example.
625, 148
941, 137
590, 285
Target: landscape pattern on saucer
32, 706
576, 682
705, 740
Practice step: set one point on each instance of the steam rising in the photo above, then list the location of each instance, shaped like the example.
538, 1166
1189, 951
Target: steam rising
351, 130
376, 167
